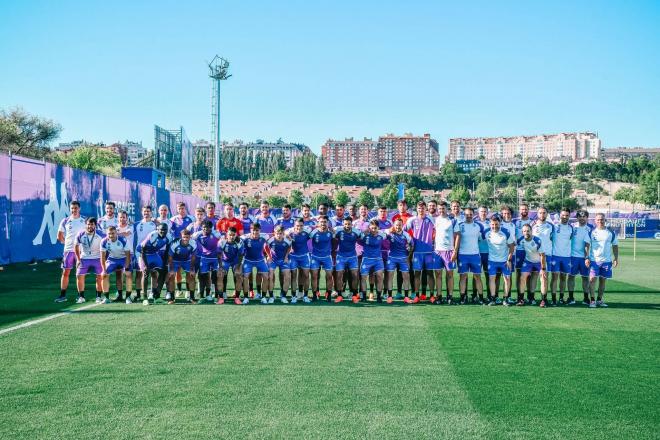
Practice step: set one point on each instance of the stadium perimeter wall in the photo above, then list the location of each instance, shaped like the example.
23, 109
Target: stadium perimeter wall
35, 197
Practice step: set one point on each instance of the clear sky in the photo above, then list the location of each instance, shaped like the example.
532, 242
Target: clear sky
307, 71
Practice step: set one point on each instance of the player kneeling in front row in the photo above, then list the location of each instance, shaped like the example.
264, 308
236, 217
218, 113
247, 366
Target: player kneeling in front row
206, 241
231, 250
321, 258
347, 259
254, 245
372, 259
534, 264
88, 256
501, 246
115, 257
279, 248
401, 245
182, 256
151, 261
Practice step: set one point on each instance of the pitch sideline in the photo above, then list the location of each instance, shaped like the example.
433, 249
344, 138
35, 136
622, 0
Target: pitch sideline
47, 318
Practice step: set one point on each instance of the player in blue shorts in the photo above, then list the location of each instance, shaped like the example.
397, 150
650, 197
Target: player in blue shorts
443, 251
602, 244
299, 259
230, 248
151, 262
483, 220
182, 257
255, 254
560, 264
466, 252
422, 229
346, 238
534, 265
206, 242
279, 249
401, 245
522, 220
501, 247
321, 258
115, 257
578, 263
372, 259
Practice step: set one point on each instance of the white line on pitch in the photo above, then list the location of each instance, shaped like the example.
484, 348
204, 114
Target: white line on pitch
47, 318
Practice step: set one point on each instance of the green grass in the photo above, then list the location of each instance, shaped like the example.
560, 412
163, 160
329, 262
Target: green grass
341, 371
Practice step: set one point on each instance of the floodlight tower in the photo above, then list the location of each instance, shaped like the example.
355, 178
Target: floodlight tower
218, 71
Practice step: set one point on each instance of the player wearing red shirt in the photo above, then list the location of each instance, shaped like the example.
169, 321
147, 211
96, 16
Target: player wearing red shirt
229, 221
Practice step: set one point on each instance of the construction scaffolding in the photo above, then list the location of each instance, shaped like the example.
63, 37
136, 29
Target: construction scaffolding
173, 156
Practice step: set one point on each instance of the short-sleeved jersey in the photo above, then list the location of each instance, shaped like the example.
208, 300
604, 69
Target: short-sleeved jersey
231, 251
90, 244
267, 223
179, 224
153, 243
127, 233
385, 225
278, 248
509, 226
194, 227
444, 233
114, 249
321, 242
498, 244
338, 222
519, 223
580, 234
105, 222
545, 231
141, 230
485, 224
371, 244
254, 247
166, 221
309, 222
246, 222
347, 241
422, 230
224, 224
405, 216
562, 240
299, 241
286, 223
361, 225
400, 244
601, 242
71, 227
207, 245
532, 248
183, 252
471, 233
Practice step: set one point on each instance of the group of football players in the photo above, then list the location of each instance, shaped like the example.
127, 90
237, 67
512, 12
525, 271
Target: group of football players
406, 254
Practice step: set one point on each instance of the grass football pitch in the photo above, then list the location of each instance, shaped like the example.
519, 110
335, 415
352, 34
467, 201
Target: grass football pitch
331, 371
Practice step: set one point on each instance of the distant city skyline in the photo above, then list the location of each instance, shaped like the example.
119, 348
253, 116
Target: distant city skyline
111, 72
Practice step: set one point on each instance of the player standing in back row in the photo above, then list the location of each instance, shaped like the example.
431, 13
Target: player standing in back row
602, 244
67, 232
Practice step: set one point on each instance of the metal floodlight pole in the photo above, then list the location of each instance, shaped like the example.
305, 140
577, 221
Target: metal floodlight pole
218, 71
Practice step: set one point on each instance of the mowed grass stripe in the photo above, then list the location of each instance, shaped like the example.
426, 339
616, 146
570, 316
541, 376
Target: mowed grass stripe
209, 372
557, 373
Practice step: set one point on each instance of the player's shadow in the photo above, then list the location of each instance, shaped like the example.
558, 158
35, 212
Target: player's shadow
633, 306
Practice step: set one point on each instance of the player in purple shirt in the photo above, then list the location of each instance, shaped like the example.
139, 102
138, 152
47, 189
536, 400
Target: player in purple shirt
182, 256
321, 239
255, 257
287, 221
279, 249
151, 261
246, 220
207, 251
67, 232
231, 250
372, 259
115, 257
423, 230
266, 219
181, 220
210, 213
88, 256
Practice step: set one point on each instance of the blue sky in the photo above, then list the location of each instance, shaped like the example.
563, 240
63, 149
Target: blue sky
308, 71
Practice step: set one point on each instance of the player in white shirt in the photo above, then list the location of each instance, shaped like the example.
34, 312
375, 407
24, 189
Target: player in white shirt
444, 251
602, 245
466, 252
67, 232
544, 230
580, 231
88, 256
164, 216
109, 219
501, 248
125, 230
507, 223
522, 220
534, 264
141, 230
115, 257
560, 263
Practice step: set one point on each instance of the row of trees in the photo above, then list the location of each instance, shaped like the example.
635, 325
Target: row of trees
238, 164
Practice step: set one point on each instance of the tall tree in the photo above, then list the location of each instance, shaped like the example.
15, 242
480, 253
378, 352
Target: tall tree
296, 198
27, 135
366, 198
342, 198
